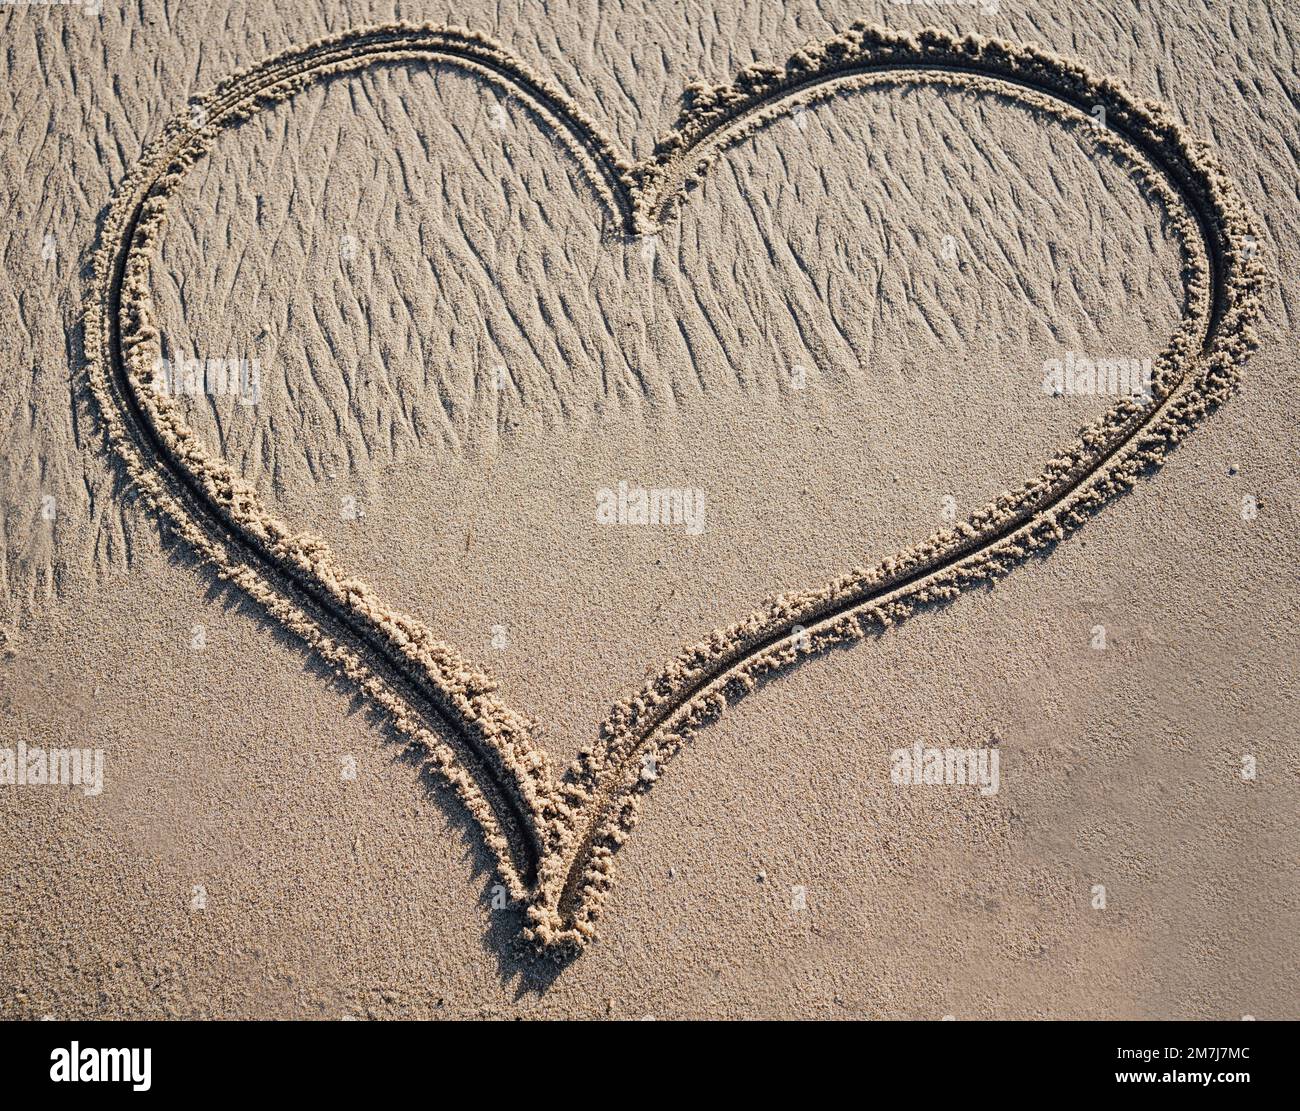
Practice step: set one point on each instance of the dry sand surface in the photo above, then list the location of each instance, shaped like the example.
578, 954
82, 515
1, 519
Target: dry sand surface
472, 296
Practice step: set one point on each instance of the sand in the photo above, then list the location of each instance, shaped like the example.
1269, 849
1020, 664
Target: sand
397, 545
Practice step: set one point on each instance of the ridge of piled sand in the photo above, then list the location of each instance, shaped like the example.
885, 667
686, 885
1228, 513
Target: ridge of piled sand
553, 841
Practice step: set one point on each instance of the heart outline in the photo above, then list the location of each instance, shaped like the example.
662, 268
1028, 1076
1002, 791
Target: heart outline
553, 840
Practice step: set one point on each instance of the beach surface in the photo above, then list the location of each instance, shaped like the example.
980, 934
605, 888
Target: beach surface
444, 358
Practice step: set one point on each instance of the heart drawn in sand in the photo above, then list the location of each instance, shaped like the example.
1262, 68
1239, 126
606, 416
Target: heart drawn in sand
553, 838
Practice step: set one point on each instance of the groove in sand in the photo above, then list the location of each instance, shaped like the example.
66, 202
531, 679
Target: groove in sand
554, 839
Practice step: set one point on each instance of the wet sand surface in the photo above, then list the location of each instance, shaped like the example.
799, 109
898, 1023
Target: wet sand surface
839, 340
